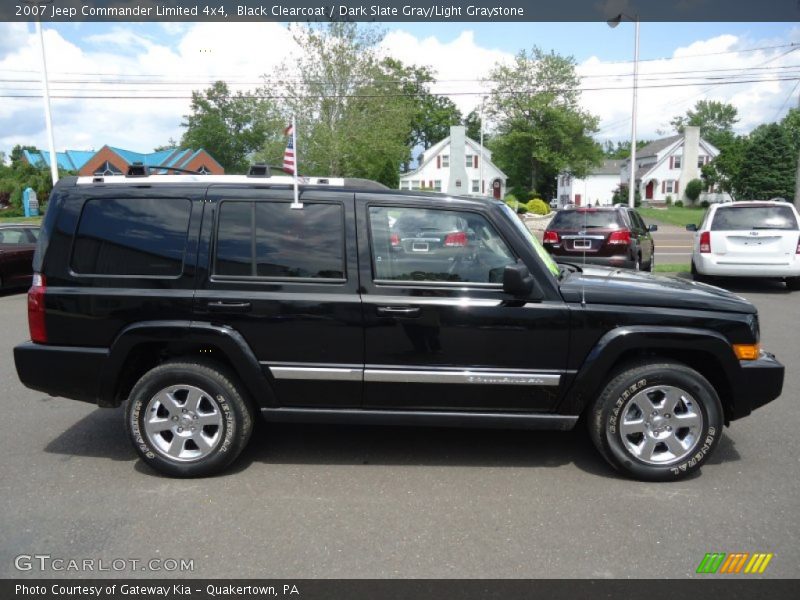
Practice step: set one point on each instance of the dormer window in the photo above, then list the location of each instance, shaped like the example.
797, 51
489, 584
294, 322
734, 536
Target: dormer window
106, 170
203, 170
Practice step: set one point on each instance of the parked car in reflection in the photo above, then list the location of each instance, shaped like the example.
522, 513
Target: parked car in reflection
748, 239
612, 236
17, 244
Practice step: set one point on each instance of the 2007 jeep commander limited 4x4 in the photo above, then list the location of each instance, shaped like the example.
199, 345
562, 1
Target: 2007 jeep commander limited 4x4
201, 300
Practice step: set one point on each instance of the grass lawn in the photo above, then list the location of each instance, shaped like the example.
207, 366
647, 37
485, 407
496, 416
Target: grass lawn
36, 220
672, 268
681, 216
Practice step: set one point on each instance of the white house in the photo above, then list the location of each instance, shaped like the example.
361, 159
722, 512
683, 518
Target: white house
455, 166
664, 167
597, 188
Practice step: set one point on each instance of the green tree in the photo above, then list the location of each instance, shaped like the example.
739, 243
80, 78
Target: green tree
541, 129
171, 144
768, 165
354, 117
17, 152
621, 150
472, 123
715, 120
229, 126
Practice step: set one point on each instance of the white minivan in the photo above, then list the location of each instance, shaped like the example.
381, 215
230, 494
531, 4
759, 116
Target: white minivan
748, 239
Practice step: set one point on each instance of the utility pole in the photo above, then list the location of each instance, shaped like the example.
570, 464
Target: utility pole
796, 199
48, 119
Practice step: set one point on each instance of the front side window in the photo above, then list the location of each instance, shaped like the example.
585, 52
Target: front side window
430, 245
144, 237
270, 240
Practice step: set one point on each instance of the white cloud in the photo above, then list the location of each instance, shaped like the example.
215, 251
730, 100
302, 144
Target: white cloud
241, 52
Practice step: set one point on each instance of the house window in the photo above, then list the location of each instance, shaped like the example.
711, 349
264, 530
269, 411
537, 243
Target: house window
107, 169
203, 170
468, 161
701, 160
669, 187
405, 185
676, 162
415, 184
437, 185
445, 160
476, 185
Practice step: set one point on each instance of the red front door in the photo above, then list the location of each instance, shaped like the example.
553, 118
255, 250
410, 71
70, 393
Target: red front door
648, 191
496, 185
577, 199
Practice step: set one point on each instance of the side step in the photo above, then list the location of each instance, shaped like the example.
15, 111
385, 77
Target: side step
420, 418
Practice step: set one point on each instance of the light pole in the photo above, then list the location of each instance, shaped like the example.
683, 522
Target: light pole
632, 180
482, 188
47, 118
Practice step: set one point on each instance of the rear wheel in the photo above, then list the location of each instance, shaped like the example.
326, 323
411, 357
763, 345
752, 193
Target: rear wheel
187, 419
793, 283
657, 422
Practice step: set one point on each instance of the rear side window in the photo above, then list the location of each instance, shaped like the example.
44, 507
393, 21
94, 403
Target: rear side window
586, 219
737, 218
131, 237
270, 240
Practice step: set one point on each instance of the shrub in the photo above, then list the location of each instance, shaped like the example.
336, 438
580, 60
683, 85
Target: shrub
538, 206
678, 204
668, 201
693, 189
705, 204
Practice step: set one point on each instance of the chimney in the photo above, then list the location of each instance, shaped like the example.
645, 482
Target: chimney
691, 150
458, 183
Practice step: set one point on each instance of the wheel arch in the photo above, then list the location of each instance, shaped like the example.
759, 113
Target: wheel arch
707, 352
142, 346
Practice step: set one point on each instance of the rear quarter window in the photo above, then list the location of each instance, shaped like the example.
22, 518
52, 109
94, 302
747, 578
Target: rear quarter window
131, 237
737, 218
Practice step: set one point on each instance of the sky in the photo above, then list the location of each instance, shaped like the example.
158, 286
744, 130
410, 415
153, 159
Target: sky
680, 64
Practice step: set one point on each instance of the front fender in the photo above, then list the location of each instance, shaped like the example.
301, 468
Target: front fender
597, 367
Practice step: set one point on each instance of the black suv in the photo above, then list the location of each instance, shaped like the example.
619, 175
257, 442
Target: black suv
612, 236
202, 300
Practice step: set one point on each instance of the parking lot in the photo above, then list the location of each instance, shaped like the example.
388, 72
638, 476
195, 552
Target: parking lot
374, 502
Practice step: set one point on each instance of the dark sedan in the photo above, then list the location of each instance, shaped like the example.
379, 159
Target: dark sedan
17, 243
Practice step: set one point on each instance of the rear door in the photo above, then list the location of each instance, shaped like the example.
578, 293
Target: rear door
751, 234
440, 333
287, 280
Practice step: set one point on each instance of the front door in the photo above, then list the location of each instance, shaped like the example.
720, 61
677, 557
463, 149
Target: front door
497, 189
439, 332
648, 190
286, 279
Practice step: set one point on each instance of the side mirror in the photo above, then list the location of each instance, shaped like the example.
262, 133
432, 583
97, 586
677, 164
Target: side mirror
691, 227
652, 228
518, 281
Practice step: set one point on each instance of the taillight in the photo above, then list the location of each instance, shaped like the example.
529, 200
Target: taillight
456, 239
394, 239
621, 237
550, 237
705, 242
36, 309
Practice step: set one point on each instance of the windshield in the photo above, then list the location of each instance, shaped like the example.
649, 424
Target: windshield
737, 218
543, 254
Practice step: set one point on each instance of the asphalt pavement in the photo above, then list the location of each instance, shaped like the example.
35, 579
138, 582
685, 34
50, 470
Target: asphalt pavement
377, 502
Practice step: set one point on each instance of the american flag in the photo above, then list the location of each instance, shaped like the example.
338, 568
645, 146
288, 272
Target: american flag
288, 154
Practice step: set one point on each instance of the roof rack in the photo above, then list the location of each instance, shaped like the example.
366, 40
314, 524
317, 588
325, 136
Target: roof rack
138, 169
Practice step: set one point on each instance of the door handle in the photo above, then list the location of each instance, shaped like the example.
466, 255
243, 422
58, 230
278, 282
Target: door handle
398, 311
229, 306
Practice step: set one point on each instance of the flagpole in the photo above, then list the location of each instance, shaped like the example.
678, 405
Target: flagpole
296, 203
48, 119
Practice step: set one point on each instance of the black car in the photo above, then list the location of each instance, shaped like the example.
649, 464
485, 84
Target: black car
612, 236
17, 244
200, 301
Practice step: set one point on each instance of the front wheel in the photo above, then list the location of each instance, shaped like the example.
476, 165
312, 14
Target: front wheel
188, 419
657, 422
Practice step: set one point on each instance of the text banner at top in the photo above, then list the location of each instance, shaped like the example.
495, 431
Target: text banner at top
399, 10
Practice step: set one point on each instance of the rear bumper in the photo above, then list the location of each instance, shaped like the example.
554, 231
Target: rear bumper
760, 382
620, 260
68, 371
709, 264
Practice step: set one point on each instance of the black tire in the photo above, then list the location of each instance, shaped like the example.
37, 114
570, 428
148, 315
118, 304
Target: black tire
696, 274
652, 263
221, 413
793, 283
697, 416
